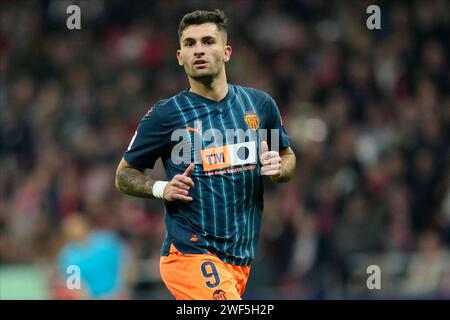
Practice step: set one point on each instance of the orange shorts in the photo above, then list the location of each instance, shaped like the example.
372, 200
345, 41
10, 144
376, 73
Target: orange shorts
202, 276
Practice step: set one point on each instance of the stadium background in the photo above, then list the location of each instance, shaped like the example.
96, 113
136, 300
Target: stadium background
368, 112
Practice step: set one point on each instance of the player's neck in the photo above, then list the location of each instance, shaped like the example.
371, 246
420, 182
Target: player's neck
215, 89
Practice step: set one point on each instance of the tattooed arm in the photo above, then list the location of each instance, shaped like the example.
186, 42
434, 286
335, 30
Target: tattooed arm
134, 182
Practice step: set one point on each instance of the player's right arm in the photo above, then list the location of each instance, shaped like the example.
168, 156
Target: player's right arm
135, 182
150, 141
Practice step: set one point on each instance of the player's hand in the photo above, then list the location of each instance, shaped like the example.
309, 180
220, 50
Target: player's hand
178, 187
270, 161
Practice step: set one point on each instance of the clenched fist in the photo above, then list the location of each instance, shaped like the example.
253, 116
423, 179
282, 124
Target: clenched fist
270, 161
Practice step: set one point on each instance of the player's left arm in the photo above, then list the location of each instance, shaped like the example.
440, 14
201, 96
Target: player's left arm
279, 166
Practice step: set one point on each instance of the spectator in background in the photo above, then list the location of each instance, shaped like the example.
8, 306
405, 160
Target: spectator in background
359, 230
426, 269
100, 255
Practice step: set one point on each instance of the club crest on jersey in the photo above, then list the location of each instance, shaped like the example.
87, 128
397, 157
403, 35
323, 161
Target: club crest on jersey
252, 120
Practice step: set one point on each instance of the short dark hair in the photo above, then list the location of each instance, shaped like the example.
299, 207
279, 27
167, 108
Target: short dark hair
200, 16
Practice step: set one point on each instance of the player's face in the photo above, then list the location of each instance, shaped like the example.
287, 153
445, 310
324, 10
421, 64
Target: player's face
203, 51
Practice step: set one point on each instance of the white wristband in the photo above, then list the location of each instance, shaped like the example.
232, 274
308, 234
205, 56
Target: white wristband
158, 189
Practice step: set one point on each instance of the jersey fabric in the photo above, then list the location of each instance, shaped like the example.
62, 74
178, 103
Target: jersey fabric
225, 215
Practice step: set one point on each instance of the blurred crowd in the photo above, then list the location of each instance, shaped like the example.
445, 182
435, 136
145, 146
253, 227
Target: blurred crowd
368, 112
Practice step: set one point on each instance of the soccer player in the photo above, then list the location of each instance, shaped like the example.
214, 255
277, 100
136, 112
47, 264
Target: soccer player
214, 194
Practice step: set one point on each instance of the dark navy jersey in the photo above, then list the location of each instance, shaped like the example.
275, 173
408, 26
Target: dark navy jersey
223, 139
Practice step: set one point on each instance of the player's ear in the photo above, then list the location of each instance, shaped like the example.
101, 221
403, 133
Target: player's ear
228, 51
179, 57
